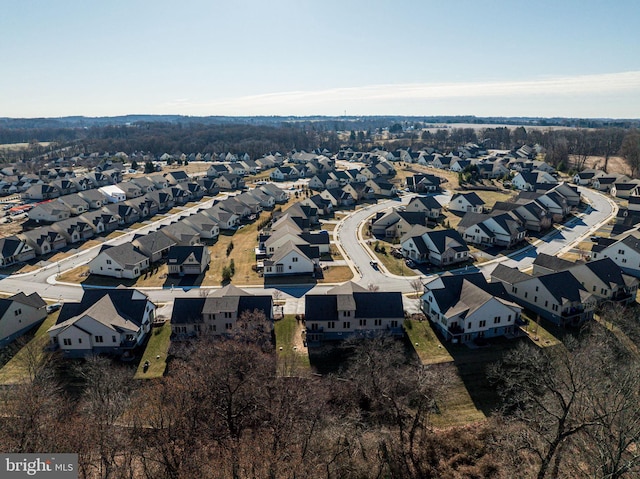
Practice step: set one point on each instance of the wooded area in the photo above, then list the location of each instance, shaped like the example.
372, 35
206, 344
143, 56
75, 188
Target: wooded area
222, 411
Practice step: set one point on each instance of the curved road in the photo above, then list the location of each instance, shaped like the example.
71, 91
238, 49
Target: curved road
43, 281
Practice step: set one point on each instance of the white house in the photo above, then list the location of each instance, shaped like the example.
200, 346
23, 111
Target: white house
113, 193
466, 202
18, 314
113, 321
122, 261
466, 308
289, 259
188, 260
439, 247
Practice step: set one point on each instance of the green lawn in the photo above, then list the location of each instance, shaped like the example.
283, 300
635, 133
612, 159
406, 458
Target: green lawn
290, 360
425, 342
158, 345
19, 368
541, 334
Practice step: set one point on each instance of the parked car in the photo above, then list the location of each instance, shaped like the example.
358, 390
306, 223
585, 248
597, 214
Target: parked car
52, 308
410, 263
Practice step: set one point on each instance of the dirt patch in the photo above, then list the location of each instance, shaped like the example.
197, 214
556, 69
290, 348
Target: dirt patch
616, 164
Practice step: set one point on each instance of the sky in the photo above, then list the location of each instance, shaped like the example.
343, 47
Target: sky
568, 58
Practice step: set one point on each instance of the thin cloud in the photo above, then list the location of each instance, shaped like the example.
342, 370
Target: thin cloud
310, 102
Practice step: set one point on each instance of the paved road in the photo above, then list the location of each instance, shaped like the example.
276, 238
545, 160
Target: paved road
556, 242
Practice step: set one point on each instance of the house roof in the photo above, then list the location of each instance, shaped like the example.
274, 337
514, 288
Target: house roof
509, 275
608, 272
179, 254
10, 245
124, 254
130, 304
471, 197
154, 242
552, 262
324, 307
444, 239
33, 300
563, 285
428, 201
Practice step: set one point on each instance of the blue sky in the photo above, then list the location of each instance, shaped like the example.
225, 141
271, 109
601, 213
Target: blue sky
297, 57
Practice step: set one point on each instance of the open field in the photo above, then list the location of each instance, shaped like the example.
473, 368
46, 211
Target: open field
20, 146
615, 165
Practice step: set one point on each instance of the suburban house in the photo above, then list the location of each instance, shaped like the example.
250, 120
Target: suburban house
131, 190
216, 169
323, 181
423, 183
75, 203
532, 215
49, 212
395, 223
188, 260
73, 230
324, 207
500, 229
113, 193
43, 240
225, 219
625, 252
154, 246
382, 188
605, 183
338, 197
111, 321
228, 182
180, 195
127, 213
603, 277
466, 308
278, 194
175, 177
553, 201
203, 224
528, 181
465, 203
292, 259
122, 261
218, 313
569, 192
101, 221
95, 198
41, 192
439, 247
425, 204
349, 310
557, 297
264, 200
281, 236
14, 250
625, 190
18, 314
65, 186
144, 183
181, 233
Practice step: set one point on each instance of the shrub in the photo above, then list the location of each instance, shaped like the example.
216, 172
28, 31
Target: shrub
232, 267
229, 248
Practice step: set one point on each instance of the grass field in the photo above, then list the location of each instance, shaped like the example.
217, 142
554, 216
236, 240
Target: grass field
290, 361
425, 342
156, 353
21, 366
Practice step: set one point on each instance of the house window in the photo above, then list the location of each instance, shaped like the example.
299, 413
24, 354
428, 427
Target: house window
212, 327
620, 251
227, 315
346, 313
67, 341
314, 326
363, 322
377, 322
331, 325
79, 340
99, 339
346, 325
113, 338
482, 324
108, 261
18, 312
554, 307
394, 324
535, 299
497, 320
228, 326
294, 259
536, 288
